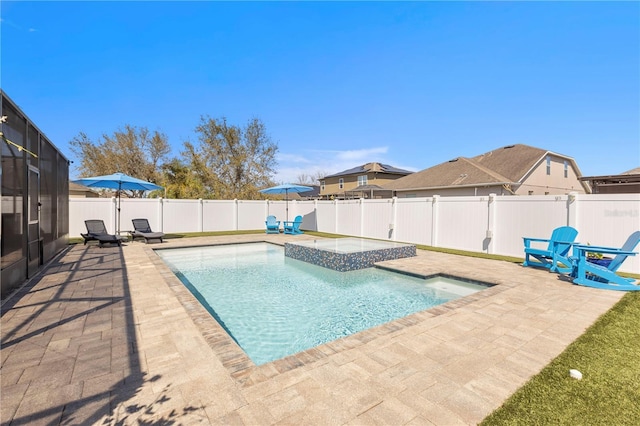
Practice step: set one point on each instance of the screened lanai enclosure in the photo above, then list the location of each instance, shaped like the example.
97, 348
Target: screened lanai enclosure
35, 197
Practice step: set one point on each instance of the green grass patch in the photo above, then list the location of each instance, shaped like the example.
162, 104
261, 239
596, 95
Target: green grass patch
608, 356
212, 234
472, 254
190, 235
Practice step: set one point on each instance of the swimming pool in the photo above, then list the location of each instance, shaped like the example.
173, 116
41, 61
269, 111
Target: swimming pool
274, 306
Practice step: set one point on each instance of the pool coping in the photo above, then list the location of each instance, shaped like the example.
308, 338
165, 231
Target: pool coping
246, 373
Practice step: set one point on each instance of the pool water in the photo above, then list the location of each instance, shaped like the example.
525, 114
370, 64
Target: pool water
274, 306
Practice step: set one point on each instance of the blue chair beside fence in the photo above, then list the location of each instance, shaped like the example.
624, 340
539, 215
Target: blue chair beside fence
555, 256
592, 274
293, 228
272, 225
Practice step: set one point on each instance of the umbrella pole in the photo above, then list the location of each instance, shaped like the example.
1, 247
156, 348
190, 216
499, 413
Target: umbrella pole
119, 201
286, 200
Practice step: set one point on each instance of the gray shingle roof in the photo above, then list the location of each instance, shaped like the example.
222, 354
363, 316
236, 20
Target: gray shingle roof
372, 167
509, 164
78, 187
635, 171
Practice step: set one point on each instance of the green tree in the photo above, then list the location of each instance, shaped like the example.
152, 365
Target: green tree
180, 181
231, 162
134, 151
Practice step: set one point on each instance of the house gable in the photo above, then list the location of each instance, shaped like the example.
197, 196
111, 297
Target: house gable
553, 174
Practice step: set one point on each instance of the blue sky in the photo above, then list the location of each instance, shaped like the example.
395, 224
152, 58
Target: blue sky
338, 84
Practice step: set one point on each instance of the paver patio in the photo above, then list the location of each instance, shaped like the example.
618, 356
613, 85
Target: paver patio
110, 336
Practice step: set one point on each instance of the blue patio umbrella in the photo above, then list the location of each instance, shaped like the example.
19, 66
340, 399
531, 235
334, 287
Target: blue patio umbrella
285, 189
118, 181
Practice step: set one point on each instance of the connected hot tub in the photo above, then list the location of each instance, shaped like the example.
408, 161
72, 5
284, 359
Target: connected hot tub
347, 254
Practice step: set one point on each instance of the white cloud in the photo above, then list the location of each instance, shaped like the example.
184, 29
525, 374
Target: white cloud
291, 174
16, 26
365, 155
287, 158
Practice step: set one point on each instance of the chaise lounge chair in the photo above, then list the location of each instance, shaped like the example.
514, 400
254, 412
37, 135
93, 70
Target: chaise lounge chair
594, 275
293, 228
272, 225
96, 231
555, 256
142, 229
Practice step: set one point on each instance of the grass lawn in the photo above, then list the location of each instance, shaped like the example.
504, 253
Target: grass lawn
608, 356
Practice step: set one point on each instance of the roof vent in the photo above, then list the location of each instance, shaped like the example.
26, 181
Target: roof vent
459, 180
453, 161
509, 146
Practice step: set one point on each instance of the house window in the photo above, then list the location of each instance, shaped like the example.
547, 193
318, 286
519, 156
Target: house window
340, 183
530, 192
321, 185
362, 180
548, 165
566, 169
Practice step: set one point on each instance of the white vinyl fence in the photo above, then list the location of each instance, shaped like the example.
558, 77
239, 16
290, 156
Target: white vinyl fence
489, 224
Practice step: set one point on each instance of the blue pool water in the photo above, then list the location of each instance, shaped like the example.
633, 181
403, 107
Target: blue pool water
274, 306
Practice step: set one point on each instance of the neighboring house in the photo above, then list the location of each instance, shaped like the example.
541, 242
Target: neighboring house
624, 183
363, 180
510, 170
81, 191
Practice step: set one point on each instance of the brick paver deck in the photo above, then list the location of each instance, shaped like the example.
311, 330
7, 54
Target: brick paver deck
110, 336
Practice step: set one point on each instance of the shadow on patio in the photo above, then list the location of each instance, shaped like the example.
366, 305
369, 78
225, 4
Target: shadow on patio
69, 348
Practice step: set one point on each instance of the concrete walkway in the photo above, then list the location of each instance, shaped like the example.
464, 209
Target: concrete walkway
110, 336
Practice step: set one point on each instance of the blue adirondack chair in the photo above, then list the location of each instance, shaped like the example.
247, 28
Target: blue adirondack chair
272, 225
555, 256
293, 227
594, 275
